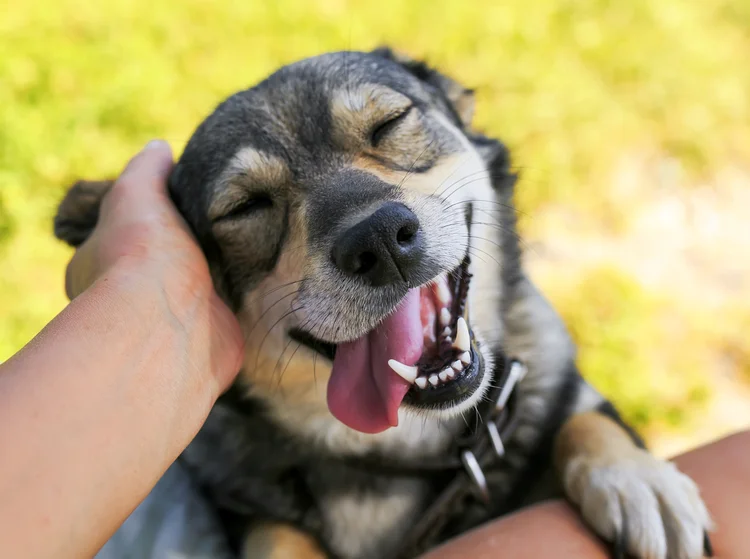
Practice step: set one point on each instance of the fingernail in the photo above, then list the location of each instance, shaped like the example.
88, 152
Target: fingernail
154, 144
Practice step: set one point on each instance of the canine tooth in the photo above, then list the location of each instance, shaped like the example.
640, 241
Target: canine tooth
443, 293
421, 382
457, 366
448, 339
444, 375
445, 317
446, 332
462, 335
434, 380
465, 357
409, 374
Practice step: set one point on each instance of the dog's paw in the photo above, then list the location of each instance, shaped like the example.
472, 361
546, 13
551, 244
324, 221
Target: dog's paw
644, 506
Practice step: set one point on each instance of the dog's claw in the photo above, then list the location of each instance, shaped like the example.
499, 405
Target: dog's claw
620, 545
618, 549
708, 549
644, 507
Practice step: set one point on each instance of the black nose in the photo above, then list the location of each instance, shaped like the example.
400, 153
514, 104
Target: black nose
384, 248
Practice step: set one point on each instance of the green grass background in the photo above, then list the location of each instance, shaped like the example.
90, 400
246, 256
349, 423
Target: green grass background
570, 85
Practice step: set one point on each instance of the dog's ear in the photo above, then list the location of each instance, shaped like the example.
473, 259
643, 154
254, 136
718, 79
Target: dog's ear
459, 99
79, 211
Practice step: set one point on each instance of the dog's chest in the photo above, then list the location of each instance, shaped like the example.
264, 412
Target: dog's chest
365, 516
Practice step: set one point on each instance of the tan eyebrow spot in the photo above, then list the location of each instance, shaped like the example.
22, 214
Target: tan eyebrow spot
355, 110
249, 169
258, 166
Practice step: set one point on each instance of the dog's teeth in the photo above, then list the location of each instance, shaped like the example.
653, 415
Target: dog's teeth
444, 374
443, 293
448, 339
463, 341
409, 374
450, 373
465, 357
457, 366
446, 332
434, 380
445, 317
421, 382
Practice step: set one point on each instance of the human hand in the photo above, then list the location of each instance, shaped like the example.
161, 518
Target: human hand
141, 236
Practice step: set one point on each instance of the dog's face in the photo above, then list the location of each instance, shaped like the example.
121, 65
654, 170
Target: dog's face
341, 203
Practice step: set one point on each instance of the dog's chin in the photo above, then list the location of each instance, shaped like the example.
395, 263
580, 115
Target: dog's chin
451, 373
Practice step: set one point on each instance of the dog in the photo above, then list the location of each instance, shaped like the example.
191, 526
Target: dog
365, 236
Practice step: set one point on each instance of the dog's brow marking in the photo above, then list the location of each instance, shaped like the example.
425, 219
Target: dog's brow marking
374, 99
246, 167
353, 112
260, 166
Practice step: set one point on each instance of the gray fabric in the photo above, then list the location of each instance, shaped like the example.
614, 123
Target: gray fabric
173, 522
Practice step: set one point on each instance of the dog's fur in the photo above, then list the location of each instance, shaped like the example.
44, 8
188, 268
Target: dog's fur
266, 183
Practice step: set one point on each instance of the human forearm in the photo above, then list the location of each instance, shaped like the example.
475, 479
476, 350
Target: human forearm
553, 529
95, 409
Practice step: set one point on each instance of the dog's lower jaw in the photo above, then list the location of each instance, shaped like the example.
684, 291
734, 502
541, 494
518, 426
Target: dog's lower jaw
459, 410
644, 506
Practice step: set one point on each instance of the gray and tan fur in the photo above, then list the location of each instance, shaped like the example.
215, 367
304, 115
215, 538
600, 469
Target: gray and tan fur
267, 183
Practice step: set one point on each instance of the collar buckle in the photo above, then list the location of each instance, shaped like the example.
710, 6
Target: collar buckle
471, 464
516, 372
498, 425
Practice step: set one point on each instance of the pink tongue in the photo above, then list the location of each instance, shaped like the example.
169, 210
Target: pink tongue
363, 392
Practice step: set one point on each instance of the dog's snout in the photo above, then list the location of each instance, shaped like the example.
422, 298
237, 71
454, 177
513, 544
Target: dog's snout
385, 248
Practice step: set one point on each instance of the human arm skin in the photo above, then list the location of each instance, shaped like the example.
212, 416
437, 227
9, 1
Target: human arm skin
104, 399
553, 529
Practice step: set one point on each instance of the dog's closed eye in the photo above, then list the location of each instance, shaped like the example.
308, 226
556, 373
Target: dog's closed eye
383, 128
246, 207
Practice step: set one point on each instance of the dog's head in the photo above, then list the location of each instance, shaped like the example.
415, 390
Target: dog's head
349, 217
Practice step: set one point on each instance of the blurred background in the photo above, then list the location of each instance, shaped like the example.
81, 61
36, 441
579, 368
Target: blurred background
629, 123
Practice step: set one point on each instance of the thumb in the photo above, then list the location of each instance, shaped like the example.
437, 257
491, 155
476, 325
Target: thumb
143, 180
149, 167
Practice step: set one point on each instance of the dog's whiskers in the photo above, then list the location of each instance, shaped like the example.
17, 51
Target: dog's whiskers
497, 226
486, 254
411, 167
281, 376
463, 162
303, 326
273, 290
263, 341
279, 300
470, 178
477, 201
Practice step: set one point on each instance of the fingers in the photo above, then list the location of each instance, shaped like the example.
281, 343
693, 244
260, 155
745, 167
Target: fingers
136, 200
143, 182
149, 168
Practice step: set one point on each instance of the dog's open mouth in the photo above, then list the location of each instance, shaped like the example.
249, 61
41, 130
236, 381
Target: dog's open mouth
422, 355
449, 365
